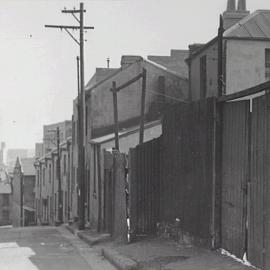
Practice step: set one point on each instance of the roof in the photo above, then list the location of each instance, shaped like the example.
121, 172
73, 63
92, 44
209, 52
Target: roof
124, 133
5, 188
174, 62
113, 74
255, 25
3, 175
27, 165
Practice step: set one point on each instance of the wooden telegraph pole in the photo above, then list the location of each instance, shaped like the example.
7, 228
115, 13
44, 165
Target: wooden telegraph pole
220, 57
81, 107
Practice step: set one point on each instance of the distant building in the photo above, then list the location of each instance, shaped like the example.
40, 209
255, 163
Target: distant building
49, 134
246, 54
12, 155
47, 185
39, 150
3, 145
5, 199
23, 184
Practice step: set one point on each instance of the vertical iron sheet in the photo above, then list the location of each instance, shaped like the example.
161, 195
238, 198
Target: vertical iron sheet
234, 176
259, 178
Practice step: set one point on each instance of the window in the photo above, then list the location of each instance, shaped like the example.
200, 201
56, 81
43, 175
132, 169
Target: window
5, 199
267, 64
37, 177
203, 77
5, 214
50, 173
65, 164
43, 176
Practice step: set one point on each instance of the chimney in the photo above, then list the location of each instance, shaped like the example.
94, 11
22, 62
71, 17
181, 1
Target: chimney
128, 60
242, 5
232, 16
231, 6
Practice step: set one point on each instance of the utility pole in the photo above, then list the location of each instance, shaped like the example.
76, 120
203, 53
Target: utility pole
220, 57
81, 108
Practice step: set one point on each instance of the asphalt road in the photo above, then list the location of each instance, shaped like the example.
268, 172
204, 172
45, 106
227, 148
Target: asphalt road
47, 248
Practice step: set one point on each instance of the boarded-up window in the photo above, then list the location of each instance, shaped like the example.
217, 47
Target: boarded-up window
267, 64
203, 76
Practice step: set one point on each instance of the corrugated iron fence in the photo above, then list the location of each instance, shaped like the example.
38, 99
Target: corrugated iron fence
246, 180
210, 169
144, 178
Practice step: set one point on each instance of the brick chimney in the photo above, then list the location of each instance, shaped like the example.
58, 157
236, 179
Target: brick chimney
232, 16
127, 60
242, 6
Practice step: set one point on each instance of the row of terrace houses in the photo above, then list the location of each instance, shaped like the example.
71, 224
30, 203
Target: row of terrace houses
167, 83
181, 77
47, 188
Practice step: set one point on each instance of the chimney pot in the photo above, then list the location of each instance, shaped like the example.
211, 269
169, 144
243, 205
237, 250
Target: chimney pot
242, 6
231, 5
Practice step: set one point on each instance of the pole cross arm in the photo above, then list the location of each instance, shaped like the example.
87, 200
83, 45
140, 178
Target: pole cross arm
72, 11
139, 76
73, 27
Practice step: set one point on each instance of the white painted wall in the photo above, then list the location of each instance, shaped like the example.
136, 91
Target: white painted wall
245, 64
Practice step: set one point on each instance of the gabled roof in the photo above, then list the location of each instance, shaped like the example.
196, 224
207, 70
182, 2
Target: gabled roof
255, 25
27, 165
5, 188
125, 132
113, 74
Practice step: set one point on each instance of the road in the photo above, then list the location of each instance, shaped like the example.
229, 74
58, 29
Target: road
47, 248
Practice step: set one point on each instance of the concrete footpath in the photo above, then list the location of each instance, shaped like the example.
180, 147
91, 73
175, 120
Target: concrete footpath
155, 253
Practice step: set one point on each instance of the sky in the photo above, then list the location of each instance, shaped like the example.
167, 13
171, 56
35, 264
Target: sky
38, 66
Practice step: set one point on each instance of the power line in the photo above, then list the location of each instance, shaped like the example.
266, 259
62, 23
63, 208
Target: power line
167, 96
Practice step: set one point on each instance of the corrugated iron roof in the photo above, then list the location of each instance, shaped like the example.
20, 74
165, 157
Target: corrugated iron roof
255, 25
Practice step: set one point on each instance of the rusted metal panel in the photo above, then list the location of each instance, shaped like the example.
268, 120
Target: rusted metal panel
259, 179
234, 176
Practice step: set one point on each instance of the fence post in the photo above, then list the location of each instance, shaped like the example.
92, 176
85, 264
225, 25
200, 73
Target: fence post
133, 193
119, 211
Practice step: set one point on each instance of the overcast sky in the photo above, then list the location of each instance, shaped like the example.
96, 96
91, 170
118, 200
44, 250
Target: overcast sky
38, 65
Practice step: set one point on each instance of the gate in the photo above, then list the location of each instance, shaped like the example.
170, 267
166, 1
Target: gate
246, 180
234, 176
259, 201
